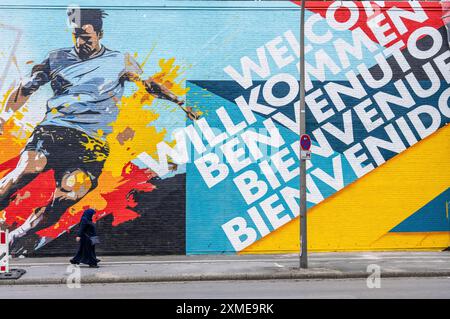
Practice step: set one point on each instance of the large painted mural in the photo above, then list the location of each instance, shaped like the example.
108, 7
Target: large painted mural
178, 122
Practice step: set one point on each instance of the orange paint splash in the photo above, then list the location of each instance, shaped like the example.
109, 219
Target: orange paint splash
14, 136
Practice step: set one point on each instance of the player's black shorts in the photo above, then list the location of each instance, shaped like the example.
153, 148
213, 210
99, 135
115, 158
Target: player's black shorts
68, 149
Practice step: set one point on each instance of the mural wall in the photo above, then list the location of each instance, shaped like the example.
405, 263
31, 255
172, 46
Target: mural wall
178, 122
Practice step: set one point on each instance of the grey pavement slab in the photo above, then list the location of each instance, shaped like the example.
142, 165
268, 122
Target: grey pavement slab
53, 270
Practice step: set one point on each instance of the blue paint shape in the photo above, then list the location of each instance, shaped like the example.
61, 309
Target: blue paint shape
433, 217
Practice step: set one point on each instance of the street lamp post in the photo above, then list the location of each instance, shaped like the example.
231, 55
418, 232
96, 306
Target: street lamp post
303, 230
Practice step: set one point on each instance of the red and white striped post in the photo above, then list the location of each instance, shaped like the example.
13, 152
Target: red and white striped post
4, 251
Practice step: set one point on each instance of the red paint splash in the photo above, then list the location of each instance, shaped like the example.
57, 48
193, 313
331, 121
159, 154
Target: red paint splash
120, 201
8, 166
36, 194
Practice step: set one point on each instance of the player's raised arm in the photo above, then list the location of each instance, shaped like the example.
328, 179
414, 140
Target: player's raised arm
161, 92
20, 95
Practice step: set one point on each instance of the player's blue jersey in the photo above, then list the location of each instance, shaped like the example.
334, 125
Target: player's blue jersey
85, 91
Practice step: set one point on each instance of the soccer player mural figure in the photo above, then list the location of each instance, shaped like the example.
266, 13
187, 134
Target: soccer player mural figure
87, 81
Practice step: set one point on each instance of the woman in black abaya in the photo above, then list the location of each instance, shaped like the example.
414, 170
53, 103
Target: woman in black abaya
87, 237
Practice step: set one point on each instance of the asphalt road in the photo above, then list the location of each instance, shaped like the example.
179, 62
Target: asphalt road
287, 289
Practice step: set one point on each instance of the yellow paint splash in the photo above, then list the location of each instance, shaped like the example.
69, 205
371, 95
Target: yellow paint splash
132, 114
135, 113
5, 97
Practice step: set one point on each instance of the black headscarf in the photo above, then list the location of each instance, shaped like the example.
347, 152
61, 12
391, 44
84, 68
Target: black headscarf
87, 215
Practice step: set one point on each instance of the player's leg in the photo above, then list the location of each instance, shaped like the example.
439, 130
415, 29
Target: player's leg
76, 169
72, 187
30, 164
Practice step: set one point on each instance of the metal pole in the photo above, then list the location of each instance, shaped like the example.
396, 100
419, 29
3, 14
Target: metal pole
303, 238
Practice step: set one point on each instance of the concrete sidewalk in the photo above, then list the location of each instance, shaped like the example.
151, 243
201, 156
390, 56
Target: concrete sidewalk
124, 269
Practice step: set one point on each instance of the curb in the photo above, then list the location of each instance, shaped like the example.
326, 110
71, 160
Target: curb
224, 277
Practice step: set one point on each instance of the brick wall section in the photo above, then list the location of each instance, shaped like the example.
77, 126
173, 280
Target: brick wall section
159, 231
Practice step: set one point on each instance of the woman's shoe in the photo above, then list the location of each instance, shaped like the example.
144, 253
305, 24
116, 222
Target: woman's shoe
74, 262
93, 266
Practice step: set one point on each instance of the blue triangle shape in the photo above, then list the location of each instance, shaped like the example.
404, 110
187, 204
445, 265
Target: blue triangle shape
433, 217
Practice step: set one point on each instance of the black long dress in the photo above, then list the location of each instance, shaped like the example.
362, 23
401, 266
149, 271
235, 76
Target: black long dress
86, 251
